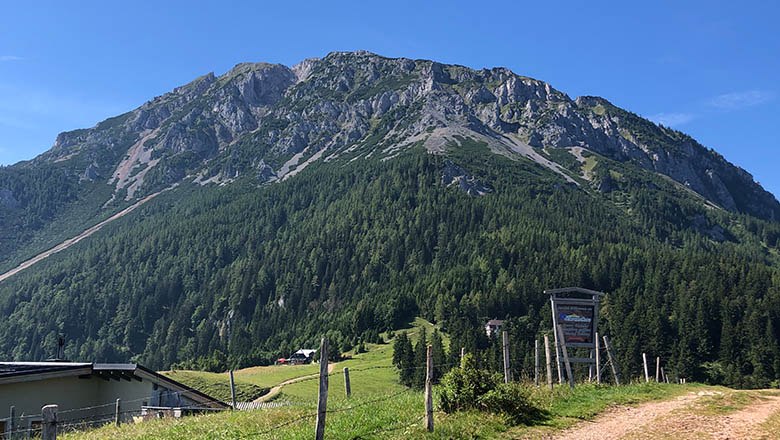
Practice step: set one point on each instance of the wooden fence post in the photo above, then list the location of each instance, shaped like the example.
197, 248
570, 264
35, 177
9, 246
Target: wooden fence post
598, 359
429, 389
612, 363
347, 386
536, 362
548, 357
49, 422
117, 412
232, 391
658, 369
557, 355
12, 421
590, 367
322, 399
644, 361
507, 373
565, 352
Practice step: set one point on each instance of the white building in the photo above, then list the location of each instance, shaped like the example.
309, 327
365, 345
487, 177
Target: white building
493, 326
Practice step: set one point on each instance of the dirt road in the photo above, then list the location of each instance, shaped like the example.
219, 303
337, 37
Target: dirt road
700, 415
273, 392
71, 241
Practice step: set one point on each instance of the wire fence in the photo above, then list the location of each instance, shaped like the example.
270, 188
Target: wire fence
273, 430
93, 416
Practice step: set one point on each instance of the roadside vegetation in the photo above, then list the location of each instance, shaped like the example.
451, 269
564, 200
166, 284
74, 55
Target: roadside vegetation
381, 407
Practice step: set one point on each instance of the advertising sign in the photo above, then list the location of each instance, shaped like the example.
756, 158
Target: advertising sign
576, 322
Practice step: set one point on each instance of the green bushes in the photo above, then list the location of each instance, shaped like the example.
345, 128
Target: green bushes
471, 388
513, 402
463, 387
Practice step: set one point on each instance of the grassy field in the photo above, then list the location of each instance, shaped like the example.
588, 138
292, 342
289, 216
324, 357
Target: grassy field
275, 374
217, 385
378, 408
386, 415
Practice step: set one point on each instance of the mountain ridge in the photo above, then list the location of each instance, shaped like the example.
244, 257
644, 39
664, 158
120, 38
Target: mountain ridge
359, 87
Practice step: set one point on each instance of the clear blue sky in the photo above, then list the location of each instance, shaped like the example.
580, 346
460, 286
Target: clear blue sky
709, 68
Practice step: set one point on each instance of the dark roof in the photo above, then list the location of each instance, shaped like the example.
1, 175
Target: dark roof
11, 369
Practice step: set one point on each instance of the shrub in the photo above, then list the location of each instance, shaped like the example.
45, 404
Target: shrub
472, 388
462, 387
513, 402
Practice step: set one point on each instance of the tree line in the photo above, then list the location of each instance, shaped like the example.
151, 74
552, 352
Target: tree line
226, 277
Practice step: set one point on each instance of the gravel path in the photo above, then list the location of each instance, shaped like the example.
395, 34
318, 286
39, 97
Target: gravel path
621, 421
678, 419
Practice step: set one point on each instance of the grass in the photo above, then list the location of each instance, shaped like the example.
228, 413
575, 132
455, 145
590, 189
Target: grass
379, 407
217, 385
772, 424
599, 110
274, 375
382, 415
724, 401
370, 375
589, 164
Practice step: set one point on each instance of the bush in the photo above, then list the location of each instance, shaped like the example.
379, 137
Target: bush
513, 402
472, 388
462, 387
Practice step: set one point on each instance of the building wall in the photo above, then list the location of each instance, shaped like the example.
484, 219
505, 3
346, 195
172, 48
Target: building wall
70, 394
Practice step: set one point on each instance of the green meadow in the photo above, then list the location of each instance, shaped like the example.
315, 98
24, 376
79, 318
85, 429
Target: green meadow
379, 406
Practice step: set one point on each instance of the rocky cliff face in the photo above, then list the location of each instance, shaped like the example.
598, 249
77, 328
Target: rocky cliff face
272, 121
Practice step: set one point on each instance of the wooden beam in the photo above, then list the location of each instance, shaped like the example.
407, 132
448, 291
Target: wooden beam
573, 289
566, 357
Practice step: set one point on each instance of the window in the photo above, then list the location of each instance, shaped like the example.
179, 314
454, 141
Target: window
3, 428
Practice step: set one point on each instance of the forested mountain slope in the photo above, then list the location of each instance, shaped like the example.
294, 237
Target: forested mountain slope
354, 192
270, 121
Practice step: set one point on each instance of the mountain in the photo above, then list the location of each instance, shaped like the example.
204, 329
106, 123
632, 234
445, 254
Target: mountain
351, 192
272, 121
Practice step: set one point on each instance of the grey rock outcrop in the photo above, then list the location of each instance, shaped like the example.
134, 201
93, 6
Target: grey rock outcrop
455, 175
359, 104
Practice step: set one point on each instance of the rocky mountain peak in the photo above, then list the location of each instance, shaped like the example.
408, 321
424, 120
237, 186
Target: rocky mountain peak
216, 128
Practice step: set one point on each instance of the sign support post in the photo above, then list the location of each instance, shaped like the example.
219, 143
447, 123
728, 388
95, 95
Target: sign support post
575, 314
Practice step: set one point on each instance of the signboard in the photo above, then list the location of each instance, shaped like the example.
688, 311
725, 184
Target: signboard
575, 316
576, 311
576, 322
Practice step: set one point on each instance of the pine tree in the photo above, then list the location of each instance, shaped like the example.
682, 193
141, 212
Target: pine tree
439, 356
420, 358
403, 358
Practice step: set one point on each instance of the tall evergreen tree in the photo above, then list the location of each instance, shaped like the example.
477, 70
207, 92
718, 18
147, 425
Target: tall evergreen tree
420, 359
403, 358
439, 356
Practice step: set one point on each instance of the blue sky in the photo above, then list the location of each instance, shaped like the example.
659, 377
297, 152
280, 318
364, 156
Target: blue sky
708, 68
